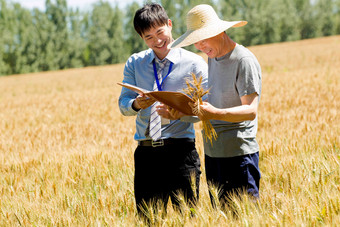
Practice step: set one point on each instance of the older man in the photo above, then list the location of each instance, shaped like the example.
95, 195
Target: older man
234, 76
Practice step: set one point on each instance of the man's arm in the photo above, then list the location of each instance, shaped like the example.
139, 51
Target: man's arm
127, 96
246, 112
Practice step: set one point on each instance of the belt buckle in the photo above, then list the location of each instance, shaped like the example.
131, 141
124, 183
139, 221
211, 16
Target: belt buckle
157, 143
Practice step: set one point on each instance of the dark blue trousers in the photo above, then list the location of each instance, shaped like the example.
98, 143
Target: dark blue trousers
234, 175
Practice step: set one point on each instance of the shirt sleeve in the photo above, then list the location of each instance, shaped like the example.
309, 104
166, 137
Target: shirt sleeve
248, 77
128, 96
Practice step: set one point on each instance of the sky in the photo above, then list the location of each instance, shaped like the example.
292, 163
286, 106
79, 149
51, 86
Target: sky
81, 4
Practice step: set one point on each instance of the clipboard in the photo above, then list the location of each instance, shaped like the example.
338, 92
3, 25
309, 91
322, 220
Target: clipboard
177, 100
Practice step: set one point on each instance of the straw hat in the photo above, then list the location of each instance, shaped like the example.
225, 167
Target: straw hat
203, 23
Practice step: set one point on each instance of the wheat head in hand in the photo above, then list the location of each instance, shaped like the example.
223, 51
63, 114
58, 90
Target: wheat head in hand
196, 91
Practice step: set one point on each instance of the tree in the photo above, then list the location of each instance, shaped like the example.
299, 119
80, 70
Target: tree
337, 17
76, 40
117, 39
325, 17
288, 22
25, 54
133, 40
58, 47
99, 40
43, 28
106, 37
6, 38
60, 38
307, 23
261, 21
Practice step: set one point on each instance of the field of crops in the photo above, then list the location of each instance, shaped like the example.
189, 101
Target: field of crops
66, 152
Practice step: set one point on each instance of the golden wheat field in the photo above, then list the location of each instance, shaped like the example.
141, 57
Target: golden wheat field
66, 152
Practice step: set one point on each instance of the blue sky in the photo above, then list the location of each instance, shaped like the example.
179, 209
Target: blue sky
81, 4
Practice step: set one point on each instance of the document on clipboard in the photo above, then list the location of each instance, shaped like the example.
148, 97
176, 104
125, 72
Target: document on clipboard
176, 100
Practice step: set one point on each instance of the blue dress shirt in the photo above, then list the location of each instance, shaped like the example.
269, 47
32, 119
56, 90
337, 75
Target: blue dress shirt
139, 71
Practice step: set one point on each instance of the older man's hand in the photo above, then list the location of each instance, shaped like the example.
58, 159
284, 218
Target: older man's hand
204, 111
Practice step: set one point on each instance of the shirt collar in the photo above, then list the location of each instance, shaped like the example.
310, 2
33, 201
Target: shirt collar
173, 56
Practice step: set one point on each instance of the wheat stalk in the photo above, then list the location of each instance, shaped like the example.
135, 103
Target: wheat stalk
196, 91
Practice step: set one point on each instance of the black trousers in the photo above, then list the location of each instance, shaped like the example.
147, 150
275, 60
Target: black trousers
166, 171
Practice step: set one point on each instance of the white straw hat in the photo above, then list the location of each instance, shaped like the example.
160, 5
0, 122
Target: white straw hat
203, 23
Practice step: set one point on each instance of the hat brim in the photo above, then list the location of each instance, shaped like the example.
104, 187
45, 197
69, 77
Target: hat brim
193, 36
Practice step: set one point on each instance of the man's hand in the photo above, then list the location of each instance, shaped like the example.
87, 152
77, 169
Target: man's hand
205, 111
142, 102
168, 112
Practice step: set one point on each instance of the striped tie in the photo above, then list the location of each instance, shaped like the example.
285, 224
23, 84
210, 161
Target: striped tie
155, 119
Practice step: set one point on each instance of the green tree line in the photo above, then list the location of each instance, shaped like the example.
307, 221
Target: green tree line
60, 37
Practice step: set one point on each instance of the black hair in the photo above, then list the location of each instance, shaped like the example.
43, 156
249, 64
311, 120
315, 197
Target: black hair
150, 15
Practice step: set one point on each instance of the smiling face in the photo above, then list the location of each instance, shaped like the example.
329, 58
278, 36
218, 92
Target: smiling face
157, 38
214, 47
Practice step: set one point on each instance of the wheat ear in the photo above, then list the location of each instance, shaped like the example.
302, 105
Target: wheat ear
196, 91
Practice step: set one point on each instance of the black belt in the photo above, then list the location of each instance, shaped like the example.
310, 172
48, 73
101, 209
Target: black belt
164, 142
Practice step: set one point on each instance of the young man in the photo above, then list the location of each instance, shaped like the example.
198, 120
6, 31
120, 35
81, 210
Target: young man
231, 161
165, 165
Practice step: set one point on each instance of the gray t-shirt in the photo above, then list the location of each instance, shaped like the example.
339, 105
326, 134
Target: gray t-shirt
232, 76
